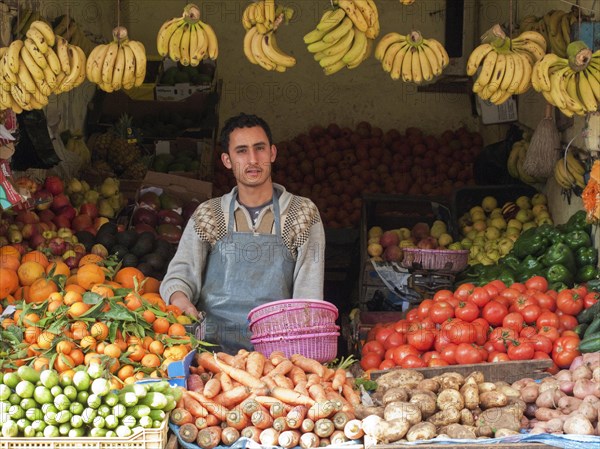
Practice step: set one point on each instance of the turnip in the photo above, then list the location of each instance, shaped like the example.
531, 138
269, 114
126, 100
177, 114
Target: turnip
584, 387
578, 425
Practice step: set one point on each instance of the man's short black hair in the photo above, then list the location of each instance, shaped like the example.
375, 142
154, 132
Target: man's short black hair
242, 121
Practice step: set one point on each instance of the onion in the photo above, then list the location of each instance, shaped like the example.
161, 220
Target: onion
576, 363
592, 360
530, 410
564, 374
581, 372
585, 387
566, 386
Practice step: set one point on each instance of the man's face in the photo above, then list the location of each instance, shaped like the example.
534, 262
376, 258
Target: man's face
250, 156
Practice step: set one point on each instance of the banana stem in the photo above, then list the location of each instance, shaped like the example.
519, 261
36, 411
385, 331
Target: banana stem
119, 33
278, 21
191, 13
415, 38
493, 34
581, 60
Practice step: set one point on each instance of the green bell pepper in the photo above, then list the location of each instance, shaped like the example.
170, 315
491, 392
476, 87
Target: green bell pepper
557, 286
510, 260
559, 253
550, 232
578, 221
586, 273
507, 275
578, 239
530, 242
586, 256
559, 273
529, 267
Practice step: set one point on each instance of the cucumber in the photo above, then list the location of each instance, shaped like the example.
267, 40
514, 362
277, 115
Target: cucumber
590, 344
592, 328
588, 315
580, 329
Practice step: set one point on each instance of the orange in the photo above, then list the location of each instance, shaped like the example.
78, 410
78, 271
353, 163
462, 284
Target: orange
161, 325
63, 363
9, 282
30, 271
78, 308
36, 256
156, 347
88, 342
99, 331
125, 372
22, 293
31, 318
41, 363
128, 277
90, 274
79, 325
45, 339
100, 347
112, 350
149, 316
133, 302
53, 305
136, 352
41, 289
10, 250
91, 258
103, 290
75, 288
176, 330
71, 297
59, 267
151, 361
77, 356
32, 334
64, 347
146, 341
151, 285
122, 344
92, 357
174, 310
10, 261
115, 383
177, 352
80, 332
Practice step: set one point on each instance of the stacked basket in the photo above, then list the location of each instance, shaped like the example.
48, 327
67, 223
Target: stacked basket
296, 326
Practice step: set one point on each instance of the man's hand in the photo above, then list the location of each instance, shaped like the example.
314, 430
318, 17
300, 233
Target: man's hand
180, 300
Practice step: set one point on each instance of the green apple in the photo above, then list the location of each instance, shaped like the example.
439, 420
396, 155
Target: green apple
514, 223
494, 255
479, 241
466, 243
478, 215
489, 203
542, 215
455, 246
505, 245
479, 225
539, 198
524, 215
375, 231
476, 209
538, 208
472, 234
438, 228
405, 233
492, 233
499, 222
544, 220
445, 239
496, 213
375, 250
523, 202
373, 240
512, 231
529, 225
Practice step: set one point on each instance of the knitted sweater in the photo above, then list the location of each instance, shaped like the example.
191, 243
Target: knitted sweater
302, 233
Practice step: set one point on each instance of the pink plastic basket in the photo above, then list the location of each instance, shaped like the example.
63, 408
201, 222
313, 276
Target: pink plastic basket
279, 316
449, 260
321, 347
293, 331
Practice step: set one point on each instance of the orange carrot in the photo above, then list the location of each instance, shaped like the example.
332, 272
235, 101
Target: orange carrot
268, 367
338, 437
282, 368
181, 416
230, 435
261, 419
188, 432
241, 376
297, 375
239, 360
209, 437
329, 373
353, 429
338, 400
269, 382
201, 423
237, 419
312, 379
252, 433
301, 388
321, 410
232, 397
206, 360
282, 381
267, 401
213, 407
277, 410
280, 424
180, 403
211, 388
339, 379
225, 380
309, 440
340, 419
350, 394
269, 437
324, 427
224, 357
291, 397
289, 438
324, 442
308, 365
295, 416
212, 420
307, 425
317, 392
194, 406
255, 364
277, 357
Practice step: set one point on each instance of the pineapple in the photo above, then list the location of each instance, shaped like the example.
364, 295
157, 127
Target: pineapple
100, 144
124, 150
137, 170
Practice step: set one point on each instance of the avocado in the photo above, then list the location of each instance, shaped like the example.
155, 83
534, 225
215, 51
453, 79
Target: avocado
108, 227
119, 250
155, 260
169, 201
165, 249
127, 238
86, 238
144, 244
130, 260
107, 239
145, 268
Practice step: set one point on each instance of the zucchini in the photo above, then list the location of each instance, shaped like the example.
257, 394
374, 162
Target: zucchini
588, 315
592, 328
580, 329
590, 344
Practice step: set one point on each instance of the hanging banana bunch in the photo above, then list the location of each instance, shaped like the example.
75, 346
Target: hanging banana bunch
38, 66
411, 57
120, 64
571, 84
187, 39
555, 26
261, 19
344, 35
569, 172
506, 64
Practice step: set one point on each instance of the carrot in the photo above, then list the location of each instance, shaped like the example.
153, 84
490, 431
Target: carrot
340, 419
324, 427
206, 376
211, 388
224, 357
211, 406
206, 360
309, 440
321, 410
209, 437
337, 399
229, 435
267, 401
237, 419
252, 433
232, 397
329, 374
307, 425
226, 382
241, 376
308, 365
181, 416
301, 388
249, 406
201, 423
195, 383
196, 369
289, 438
284, 367
239, 360
317, 392
280, 424
297, 375
277, 410
255, 364
350, 394
269, 382
276, 357
194, 406
338, 437
339, 379
312, 379
212, 420
180, 403
268, 367
295, 416
188, 432
269, 437
353, 429
291, 397
261, 419
324, 442
282, 381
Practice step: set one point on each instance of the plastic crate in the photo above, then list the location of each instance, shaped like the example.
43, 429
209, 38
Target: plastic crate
467, 197
145, 439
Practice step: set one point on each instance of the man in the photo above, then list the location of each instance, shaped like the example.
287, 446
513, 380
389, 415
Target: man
254, 245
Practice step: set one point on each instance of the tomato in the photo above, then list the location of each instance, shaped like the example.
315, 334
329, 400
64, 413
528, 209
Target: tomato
549, 331
498, 284
466, 311
402, 326
441, 340
528, 332
521, 302
412, 315
531, 313
480, 296
437, 362
413, 361
539, 283
500, 337
568, 333
565, 350
448, 353
430, 355
425, 323
567, 322
441, 311
424, 308
494, 313
513, 320
545, 301
383, 333
492, 290
540, 355
489, 347
373, 346
389, 354
481, 327
569, 302
421, 339
590, 299
542, 343
581, 290
442, 295
370, 360
467, 354
520, 350
498, 357
547, 319
519, 287
394, 340
462, 332
402, 351
386, 364
510, 293
464, 290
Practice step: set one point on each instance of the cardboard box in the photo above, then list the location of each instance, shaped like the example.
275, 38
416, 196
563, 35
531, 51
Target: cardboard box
185, 188
180, 91
154, 69
203, 150
179, 370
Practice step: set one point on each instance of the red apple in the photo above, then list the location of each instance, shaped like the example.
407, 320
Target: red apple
58, 246
36, 240
46, 215
68, 211
54, 185
89, 209
59, 201
27, 217
79, 248
99, 221
73, 261
62, 221
81, 222
91, 229
42, 199
30, 229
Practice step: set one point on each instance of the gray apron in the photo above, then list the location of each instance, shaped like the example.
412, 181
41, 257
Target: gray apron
244, 270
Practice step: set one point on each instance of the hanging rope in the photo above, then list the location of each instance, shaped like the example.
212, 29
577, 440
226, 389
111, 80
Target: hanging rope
580, 7
510, 19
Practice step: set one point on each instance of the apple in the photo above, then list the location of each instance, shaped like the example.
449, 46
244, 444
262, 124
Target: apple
374, 249
539, 198
79, 248
523, 202
68, 211
99, 221
61, 221
489, 203
54, 185
389, 238
375, 231
59, 201
81, 222
46, 215
392, 254
58, 246
29, 230
89, 209
64, 232
36, 240
72, 261
27, 217
91, 229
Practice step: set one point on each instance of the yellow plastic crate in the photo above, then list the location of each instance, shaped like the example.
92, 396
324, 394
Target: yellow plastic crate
146, 439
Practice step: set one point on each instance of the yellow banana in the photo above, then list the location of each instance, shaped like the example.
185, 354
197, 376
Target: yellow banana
63, 54
52, 60
356, 51
246, 19
81, 78
259, 54
426, 69
118, 69
367, 12
12, 55
129, 70
398, 60
271, 51
201, 45
476, 57
594, 82
331, 19
385, 42
35, 53
21, 96
314, 36
417, 71
25, 79
430, 54
440, 51
95, 62
165, 33
109, 63
487, 69
269, 11
140, 61
75, 61
573, 102
194, 61
366, 51
211, 38
38, 38
333, 58
50, 78
406, 68
259, 12
184, 47
175, 43
343, 44
336, 34
509, 72
586, 94
90, 59
36, 71
533, 36
527, 74
555, 91
334, 68
45, 30
248, 45
354, 14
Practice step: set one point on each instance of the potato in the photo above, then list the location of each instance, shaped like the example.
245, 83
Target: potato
470, 394
466, 417
567, 404
421, 431
425, 402
445, 417
450, 398
429, 385
522, 383
501, 417
582, 372
486, 386
501, 383
578, 425
587, 410
458, 431
450, 380
546, 414
392, 431
555, 425
491, 399
398, 378
505, 432
530, 393
549, 398
476, 376
508, 391
395, 394
362, 411
484, 431
402, 410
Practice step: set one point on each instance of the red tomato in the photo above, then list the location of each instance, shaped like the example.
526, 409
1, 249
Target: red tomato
514, 320
540, 355
547, 319
369, 361
539, 283
519, 287
421, 339
412, 315
373, 346
441, 311
389, 354
494, 312
489, 347
386, 364
531, 313
383, 333
467, 354
442, 295
448, 353
466, 311
581, 290
569, 302
520, 350
528, 332
510, 293
402, 326
500, 337
441, 340
549, 331
480, 296
413, 361
481, 327
464, 290
565, 350
425, 323
545, 301
568, 333
462, 332
567, 322
521, 302
430, 355
424, 308
542, 343
498, 357
492, 290
437, 362
483, 352
498, 284
590, 299
394, 340
402, 351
